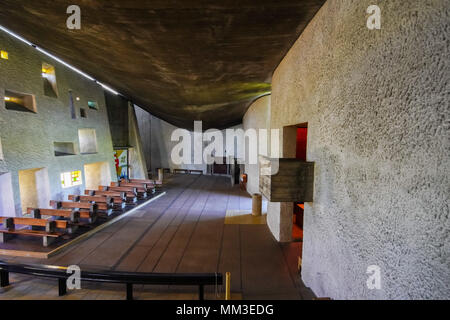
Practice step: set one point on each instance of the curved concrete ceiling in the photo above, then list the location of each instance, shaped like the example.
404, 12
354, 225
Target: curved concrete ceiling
182, 60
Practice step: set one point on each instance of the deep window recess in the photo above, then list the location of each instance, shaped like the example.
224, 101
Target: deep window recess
49, 79
4, 54
83, 113
20, 101
72, 105
93, 105
64, 149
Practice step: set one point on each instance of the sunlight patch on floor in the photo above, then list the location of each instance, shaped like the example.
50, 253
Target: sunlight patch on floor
243, 217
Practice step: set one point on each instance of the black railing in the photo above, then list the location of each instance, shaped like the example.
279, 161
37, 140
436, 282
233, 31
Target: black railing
127, 278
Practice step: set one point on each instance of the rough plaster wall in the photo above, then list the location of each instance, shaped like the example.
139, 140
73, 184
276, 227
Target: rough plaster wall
88, 140
256, 117
377, 105
138, 165
144, 120
28, 138
97, 174
162, 145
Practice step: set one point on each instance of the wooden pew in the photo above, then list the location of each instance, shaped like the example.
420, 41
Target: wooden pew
48, 235
140, 194
154, 182
105, 204
72, 215
84, 207
120, 198
196, 171
180, 171
141, 187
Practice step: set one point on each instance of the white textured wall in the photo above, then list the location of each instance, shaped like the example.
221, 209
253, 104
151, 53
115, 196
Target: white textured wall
377, 108
257, 117
97, 174
161, 146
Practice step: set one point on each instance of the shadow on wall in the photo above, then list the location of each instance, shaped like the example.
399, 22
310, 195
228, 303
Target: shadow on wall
158, 146
7, 208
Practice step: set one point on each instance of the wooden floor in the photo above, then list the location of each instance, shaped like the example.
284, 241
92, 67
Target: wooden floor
183, 231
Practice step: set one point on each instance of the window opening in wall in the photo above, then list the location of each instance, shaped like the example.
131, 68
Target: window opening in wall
71, 179
64, 149
88, 141
4, 54
49, 78
20, 101
93, 105
83, 113
72, 106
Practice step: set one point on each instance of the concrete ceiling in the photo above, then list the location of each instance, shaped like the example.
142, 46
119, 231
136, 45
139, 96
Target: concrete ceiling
182, 60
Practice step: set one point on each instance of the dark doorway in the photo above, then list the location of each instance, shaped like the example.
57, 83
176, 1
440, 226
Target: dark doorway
301, 146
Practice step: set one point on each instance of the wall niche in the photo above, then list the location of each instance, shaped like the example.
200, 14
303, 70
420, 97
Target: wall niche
20, 101
49, 78
64, 149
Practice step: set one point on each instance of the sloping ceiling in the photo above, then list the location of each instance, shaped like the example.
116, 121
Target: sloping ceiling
182, 60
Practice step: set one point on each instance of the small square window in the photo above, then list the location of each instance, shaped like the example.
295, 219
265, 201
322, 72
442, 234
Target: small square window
93, 105
70, 179
4, 54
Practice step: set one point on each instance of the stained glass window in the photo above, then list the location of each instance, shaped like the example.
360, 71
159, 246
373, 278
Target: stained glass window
70, 179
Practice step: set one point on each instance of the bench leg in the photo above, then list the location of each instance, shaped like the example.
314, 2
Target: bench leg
62, 287
46, 241
4, 278
129, 291
72, 229
4, 237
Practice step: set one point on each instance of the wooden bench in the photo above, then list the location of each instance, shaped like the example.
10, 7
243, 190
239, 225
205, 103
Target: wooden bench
87, 210
154, 182
196, 171
48, 235
141, 187
120, 198
72, 215
140, 194
180, 171
105, 204
165, 170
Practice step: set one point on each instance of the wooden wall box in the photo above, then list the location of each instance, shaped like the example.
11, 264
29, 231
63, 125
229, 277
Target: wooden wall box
292, 182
